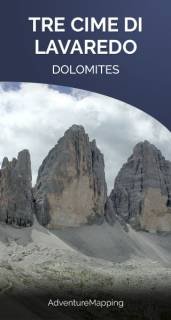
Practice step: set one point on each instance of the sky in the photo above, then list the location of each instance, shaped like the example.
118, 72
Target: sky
35, 116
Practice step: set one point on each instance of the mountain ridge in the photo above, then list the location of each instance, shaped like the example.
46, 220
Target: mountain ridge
71, 188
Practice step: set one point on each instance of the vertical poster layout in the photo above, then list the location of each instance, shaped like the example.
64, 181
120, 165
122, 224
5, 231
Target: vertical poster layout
85, 160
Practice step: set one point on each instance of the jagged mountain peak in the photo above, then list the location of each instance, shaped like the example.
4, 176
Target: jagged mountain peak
145, 146
16, 203
75, 127
71, 187
142, 189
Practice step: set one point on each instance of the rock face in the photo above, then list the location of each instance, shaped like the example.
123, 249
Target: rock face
16, 204
71, 188
110, 214
142, 190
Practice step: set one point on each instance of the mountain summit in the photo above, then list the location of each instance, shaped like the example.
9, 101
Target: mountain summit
142, 189
71, 187
16, 202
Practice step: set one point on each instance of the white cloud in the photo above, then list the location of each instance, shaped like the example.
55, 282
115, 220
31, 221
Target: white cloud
35, 116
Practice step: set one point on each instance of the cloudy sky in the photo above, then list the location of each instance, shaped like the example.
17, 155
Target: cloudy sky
35, 116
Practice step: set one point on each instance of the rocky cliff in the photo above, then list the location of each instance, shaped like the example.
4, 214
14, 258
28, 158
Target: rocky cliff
142, 189
71, 188
16, 205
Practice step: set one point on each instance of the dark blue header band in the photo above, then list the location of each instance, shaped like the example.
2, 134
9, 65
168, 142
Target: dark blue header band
144, 78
